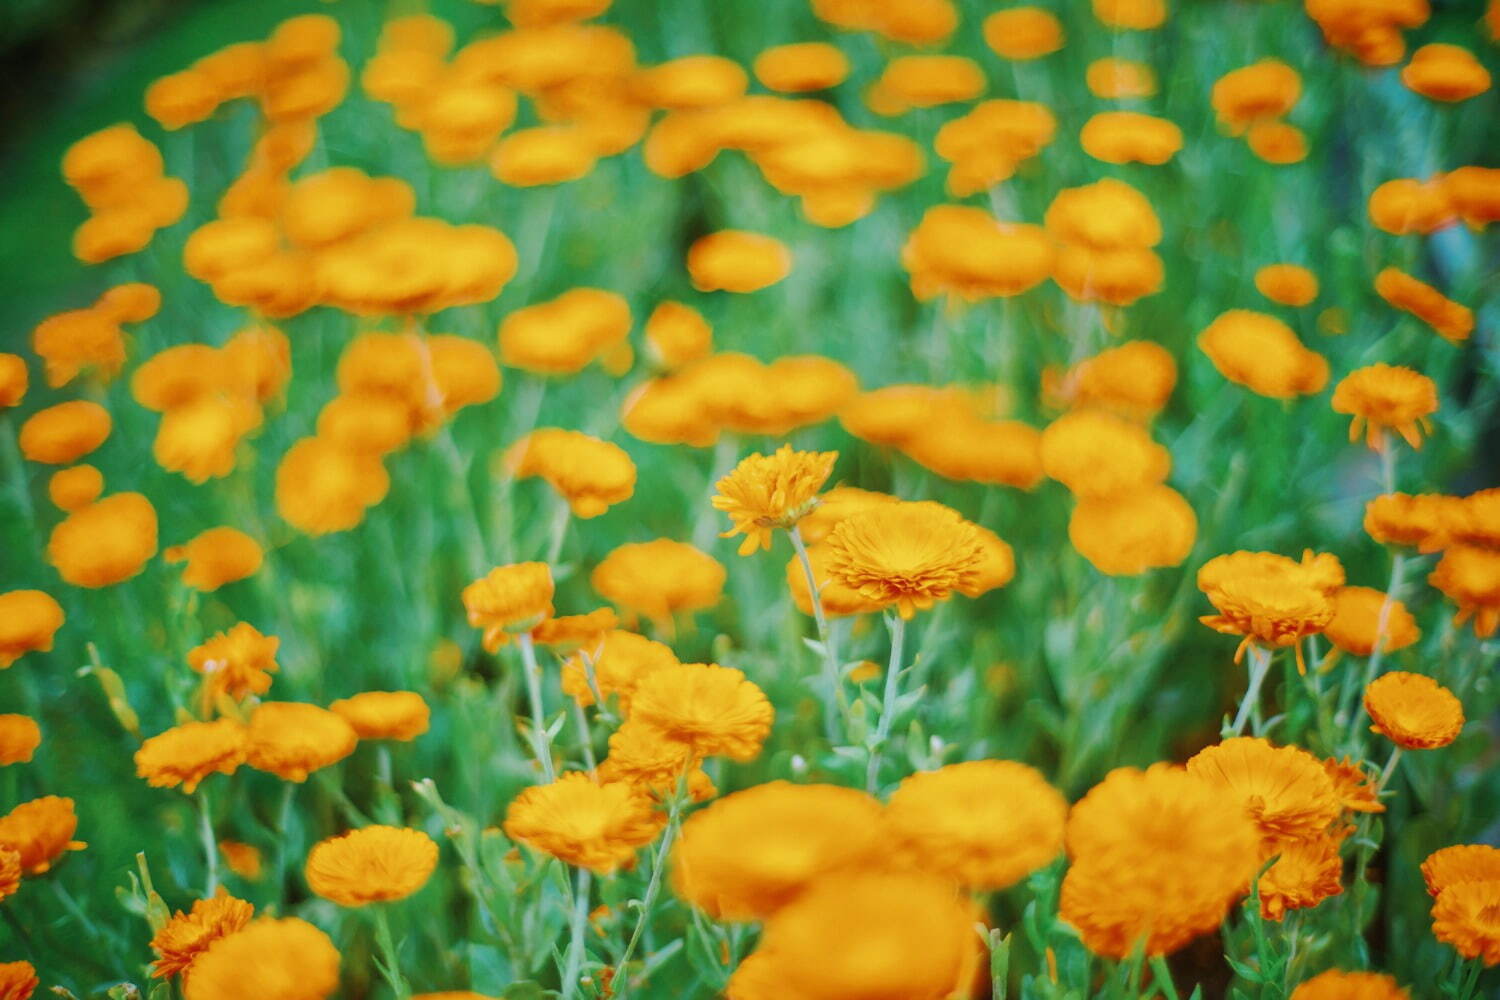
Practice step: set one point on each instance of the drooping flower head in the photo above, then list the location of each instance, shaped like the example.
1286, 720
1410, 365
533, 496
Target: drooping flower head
1469, 576
1385, 397
906, 555
1357, 625
1304, 874
766, 492
374, 864
1466, 916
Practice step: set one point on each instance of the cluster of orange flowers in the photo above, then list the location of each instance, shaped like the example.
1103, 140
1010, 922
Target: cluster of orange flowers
1466, 530
119, 175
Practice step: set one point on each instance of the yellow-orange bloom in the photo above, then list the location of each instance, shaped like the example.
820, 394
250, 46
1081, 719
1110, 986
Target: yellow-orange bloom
1381, 397
286, 958
1413, 711
1356, 626
562, 336
836, 598
1354, 785
641, 755
751, 853
985, 824
1130, 137
736, 261
1277, 142
766, 492
28, 621
238, 662
1423, 520
613, 666
1128, 533
106, 542
1452, 321
242, 859
1305, 873
18, 980
1140, 15
1460, 863
1270, 599
514, 598
70, 489
13, 379
375, 864
1023, 33
801, 67
1337, 985
19, 738
925, 82
384, 715
291, 740
1445, 73
591, 474
1464, 916
1263, 354
64, 433
906, 554
41, 831
185, 936
659, 578
1118, 79
186, 754
1284, 790
713, 710
1288, 284
1266, 89
584, 823
322, 487
1469, 576
1097, 455
677, 334
216, 557
968, 254
1407, 205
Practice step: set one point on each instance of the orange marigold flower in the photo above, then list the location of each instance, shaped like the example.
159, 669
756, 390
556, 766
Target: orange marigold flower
1445, 73
1140, 15
1356, 623
997, 564
10, 880
1413, 711
186, 754
836, 598
286, 958
1337, 985
238, 662
199, 439
1469, 576
1023, 33
70, 489
1130, 137
1464, 916
1263, 354
1158, 857
41, 831
19, 738
713, 710
1460, 863
1423, 520
690, 82
1474, 193
375, 864
1305, 873
1385, 397
865, 934
1452, 321
925, 81
28, 621
1284, 790
79, 339
591, 474
968, 254
584, 823
751, 853
677, 334
1133, 380
969, 449
242, 859
107, 542
547, 154
183, 938
1354, 785
1266, 89
1128, 533
514, 598
1119, 79
906, 554
385, 715
640, 755
1277, 142
1270, 599
568, 632
801, 67
1105, 215
1097, 455
322, 487
985, 824
766, 492
1288, 284
13, 379
562, 336
291, 740
736, 261
18, 980
614, 666
216, 557
1408, 205
64, 433
659, 578
985, 147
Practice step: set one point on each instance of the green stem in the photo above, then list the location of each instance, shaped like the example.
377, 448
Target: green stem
390, 962
210, 844
1260, 666
585, 736
1161, 977
1372, 665
1390, 769
658, 867
559, 531
897, 626
834, 695
575, 937
541, 746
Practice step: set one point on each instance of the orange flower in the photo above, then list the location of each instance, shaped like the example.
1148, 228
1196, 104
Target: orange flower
19, 738
1141, 15
18, 980
1023, 33
801, 67
677, 334
13, 379
713, 710
1119, 79
985, 824
184, 937
1408, 205
641, 755
1460, 863
1354, 786
291, 740
1284, 790
737, 261
216, 557
1263, 354
285, 958
1336, 985
551, 154
1277, 142
238, 662
1158, 857
985, 147
751, 853
1266, 89
41, 831
1452, 321
375, 864
1270, 599
186, 754
1413, 711
592, 475
64, 433
1289, 284
969, 449
1386, 396
925, 82
1130, 137
1355, 625
508, 599
1424, 520
1128, 533
322, 487
997, 564
107, 542
28, 621
583, 823
1445, 73
10, 877
766, 492
906, 554
70, 489
1469, 576
1474, 193
384, 715
242, 859
865, 934
1134, 380
1096, 455
1305, 873
562, 336
1464, 916
569, 632
614, 666
966, 253
690, 82
659, 579
1105, 215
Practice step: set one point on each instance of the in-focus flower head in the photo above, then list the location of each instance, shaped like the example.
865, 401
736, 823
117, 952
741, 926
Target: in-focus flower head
1304, 874
1338, 985
188, 753
1284, 790
1384, 397
1460, 863
713, 710
766, 492
584, 823
514, 598
374, 864
906, 555
238, 662
1413, 711
1270, 599
185, 936
1466, 916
